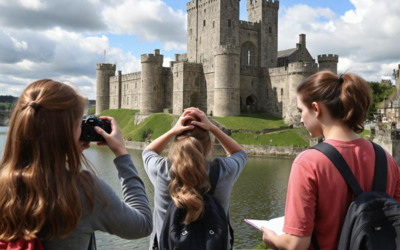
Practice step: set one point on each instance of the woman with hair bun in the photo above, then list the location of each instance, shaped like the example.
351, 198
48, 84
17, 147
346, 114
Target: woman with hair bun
335, 108
182, 177
46, 194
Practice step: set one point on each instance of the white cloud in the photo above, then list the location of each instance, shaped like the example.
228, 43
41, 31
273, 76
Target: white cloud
161, 23
33, 4
365, 38
19, 45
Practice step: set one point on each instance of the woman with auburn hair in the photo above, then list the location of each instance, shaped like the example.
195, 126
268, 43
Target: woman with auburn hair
45, 193
183, 175
335, 108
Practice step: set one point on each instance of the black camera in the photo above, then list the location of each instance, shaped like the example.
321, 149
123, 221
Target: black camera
88, 133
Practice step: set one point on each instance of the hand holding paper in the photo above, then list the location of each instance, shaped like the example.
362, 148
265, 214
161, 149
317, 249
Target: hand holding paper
275, 225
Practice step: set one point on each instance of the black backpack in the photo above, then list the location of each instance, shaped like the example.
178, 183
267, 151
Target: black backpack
373, 218
210, 232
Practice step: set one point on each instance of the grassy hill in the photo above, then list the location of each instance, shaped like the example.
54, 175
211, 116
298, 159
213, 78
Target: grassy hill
161, 123
158, 123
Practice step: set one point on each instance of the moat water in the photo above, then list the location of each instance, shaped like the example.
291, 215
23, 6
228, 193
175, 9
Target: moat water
259, 193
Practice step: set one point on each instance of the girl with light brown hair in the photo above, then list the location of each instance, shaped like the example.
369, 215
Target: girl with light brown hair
45, 192
182, 177
318, 197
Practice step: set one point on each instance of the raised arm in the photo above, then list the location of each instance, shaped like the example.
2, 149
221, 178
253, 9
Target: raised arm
159, 144
229, 144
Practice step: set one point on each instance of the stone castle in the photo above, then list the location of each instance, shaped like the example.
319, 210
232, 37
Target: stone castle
231, 66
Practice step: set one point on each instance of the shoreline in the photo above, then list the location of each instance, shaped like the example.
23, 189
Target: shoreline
251, 150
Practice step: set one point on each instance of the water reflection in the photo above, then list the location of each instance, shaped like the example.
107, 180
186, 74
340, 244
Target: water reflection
259, 193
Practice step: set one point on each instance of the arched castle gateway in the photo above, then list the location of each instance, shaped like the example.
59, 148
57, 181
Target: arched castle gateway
230, 66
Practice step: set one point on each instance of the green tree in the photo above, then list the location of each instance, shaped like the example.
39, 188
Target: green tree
379, 93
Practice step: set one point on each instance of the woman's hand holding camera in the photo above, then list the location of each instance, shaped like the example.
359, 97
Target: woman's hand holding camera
114, 140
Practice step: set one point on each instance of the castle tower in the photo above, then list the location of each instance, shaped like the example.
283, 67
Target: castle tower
266, 13
227, 81
211, 24
328, 62
103, 71
298, 72
152, 98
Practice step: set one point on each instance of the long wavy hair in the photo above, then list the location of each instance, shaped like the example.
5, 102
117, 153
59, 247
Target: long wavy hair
41, 165
188, 155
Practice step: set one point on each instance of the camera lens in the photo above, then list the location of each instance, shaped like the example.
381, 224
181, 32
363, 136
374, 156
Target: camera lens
89, 134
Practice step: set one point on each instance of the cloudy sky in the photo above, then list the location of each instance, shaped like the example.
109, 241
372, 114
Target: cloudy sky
64, 40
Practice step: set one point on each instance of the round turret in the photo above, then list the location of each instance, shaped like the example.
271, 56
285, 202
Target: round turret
152, 92
328, 62
298, 72
227, 81
104, 71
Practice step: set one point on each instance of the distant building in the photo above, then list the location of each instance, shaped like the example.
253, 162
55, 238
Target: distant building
231, 66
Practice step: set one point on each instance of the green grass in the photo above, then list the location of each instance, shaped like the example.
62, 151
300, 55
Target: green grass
124, 117
159, 123
365, 133
256, 122
285, 138
261, 246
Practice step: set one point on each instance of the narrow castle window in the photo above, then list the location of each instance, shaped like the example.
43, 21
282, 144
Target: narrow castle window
204, 23
270, 29
248, 57
213, 24
281, 91
205, 11
229, 22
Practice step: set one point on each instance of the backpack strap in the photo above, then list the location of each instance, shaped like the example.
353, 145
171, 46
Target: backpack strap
344, 169
380, 176
213, 176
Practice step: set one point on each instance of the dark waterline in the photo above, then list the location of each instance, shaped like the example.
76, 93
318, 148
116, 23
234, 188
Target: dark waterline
259, 193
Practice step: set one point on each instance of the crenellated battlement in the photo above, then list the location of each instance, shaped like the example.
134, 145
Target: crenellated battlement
249, 25
328, 58
190, 6
152, 58
265, 3
106, 66
132, 76
299, 67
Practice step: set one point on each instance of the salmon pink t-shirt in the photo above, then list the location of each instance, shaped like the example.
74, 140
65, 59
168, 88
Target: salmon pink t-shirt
318, 196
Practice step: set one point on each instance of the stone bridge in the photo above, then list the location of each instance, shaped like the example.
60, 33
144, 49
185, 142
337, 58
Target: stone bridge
4, 117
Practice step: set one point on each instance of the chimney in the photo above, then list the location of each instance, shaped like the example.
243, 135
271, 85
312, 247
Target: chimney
302, 40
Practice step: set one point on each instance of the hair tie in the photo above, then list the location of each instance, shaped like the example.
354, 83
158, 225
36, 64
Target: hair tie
341, 79
33, 104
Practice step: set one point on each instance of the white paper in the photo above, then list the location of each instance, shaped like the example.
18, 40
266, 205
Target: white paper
275, 225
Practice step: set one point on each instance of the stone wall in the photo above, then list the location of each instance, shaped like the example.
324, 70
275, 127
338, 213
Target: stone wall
251, 150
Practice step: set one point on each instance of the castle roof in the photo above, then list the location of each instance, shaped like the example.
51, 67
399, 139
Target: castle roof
286, 53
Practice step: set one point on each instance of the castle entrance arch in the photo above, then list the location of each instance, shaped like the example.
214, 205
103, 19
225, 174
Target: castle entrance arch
194, 100
251, 102
248, 54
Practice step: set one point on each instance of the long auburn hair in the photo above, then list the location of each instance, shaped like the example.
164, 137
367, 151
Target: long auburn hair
188, 155
347, 99
41, 165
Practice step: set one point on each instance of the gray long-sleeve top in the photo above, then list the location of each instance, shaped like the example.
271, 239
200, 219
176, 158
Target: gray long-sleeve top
157, 168
129, 218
